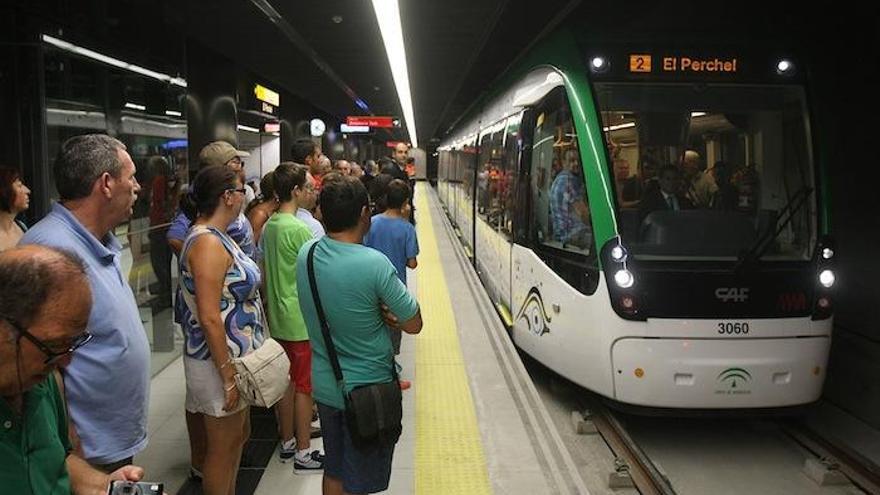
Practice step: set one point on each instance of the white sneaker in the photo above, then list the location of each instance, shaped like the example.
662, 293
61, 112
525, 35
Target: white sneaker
305, 462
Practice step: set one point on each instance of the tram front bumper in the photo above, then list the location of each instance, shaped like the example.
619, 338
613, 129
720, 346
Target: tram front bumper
719, 373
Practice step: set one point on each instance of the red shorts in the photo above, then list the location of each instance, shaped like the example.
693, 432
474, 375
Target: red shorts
300, 355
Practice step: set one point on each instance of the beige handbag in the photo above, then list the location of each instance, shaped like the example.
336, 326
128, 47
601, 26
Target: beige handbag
263, 376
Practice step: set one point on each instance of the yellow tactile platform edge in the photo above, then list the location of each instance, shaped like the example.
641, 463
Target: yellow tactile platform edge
449, 451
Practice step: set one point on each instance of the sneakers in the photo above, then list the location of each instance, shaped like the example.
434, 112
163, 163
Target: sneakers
288, 450
305, 462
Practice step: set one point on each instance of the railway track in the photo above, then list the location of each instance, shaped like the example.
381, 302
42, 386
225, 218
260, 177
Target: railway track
832, 460
630, 460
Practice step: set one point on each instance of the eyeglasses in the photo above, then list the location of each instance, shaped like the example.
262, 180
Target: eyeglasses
52, 357
243, 190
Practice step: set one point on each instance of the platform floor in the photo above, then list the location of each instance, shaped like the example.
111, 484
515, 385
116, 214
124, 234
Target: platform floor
473, 422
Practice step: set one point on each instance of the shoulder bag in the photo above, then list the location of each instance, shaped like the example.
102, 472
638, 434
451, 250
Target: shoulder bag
373, 413
263, 375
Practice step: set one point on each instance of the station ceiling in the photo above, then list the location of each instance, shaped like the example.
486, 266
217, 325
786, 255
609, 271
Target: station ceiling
331, 52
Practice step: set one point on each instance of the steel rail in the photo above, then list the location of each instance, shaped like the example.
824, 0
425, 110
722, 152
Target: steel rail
861, 472
647, 479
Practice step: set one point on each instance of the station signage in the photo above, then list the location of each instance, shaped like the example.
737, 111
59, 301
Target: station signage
268, 100
266, 95
354, 129
372, 121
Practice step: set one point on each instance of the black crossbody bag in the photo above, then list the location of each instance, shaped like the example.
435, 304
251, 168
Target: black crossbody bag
373, 413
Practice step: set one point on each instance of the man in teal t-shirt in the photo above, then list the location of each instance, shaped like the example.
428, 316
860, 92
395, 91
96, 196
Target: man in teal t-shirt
282, 239
353, 281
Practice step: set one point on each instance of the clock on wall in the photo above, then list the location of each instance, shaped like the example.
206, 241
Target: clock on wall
317, 127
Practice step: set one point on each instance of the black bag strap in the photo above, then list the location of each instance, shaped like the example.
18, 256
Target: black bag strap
325, 328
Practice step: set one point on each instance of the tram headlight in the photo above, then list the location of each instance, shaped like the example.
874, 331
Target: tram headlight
827, 253
624, 278
599, 65
826, 278
618, 254
785, 67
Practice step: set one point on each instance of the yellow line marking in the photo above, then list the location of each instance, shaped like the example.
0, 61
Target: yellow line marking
449, 450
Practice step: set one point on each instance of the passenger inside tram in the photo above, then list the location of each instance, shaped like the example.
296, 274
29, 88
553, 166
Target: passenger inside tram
569, 211
741, 154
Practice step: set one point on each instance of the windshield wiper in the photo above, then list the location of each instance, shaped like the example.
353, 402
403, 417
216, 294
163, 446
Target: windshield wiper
763, 243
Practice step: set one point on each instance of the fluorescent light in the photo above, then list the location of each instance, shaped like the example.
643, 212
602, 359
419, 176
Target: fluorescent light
388, 17
135, 106
78, 113
173, 113
248, 128
697, 114
618, 127
138, 120
115, 62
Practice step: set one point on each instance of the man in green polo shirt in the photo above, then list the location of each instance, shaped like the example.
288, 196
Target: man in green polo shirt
283, 236
45, 302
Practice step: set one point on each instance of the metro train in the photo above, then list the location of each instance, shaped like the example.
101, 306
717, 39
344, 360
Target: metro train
652, 223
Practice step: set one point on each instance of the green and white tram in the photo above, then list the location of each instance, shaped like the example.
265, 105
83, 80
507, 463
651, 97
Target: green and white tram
652, 222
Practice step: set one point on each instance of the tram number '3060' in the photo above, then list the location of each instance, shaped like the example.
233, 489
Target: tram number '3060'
733, 328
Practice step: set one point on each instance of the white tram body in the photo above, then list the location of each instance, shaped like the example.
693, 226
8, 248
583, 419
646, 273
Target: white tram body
686, 334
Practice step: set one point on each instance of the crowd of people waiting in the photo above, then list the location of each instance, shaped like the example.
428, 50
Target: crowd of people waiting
74, 355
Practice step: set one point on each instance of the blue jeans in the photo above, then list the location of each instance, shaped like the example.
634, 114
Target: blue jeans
361, 471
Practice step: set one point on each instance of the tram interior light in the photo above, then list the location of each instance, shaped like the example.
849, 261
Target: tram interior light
624, 278
599, 65
784, 67
826, 278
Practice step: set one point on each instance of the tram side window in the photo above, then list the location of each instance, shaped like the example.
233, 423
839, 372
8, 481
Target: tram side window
507, 177
560, 216
488, 162
494, 177
561, 210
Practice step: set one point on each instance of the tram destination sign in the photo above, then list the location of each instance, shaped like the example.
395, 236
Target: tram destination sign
642, 63
373, 121
723, 64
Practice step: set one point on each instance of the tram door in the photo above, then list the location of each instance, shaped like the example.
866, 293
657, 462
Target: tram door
554, 263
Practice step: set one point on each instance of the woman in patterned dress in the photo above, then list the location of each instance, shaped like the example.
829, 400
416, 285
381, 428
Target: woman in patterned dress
222, 319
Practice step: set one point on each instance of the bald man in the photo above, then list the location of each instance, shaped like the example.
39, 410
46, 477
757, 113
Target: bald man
45, 301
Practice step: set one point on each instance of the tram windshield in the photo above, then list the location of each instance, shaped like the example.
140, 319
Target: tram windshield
706, 171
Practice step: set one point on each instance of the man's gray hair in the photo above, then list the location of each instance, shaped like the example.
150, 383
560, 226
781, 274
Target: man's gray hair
30, 276
81, 160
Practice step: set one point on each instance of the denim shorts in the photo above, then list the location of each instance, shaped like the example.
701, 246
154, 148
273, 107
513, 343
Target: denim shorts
361, 471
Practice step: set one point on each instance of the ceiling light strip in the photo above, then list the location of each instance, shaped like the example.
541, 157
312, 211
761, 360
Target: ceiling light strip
115, 62
388, 17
